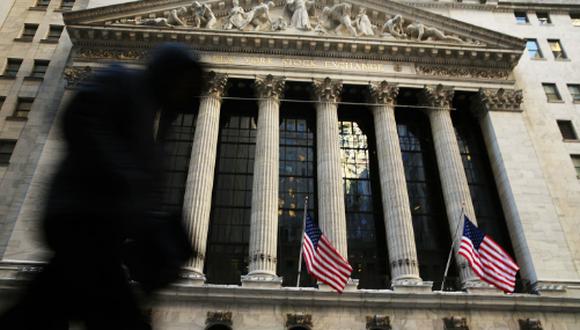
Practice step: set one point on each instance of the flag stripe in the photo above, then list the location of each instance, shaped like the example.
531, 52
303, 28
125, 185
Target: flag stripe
487, 259
322, 260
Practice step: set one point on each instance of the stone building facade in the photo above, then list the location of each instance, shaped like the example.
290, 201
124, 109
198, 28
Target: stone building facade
394, 118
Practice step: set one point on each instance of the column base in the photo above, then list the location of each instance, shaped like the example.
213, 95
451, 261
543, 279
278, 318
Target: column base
412, 285
480, 287
267, 281
191, 278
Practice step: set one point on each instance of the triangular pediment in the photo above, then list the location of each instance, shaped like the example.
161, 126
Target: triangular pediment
378, 29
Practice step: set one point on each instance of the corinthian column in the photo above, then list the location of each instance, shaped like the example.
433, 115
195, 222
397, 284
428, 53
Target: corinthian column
451, 172
331, 210
198, 192
396, 209
264, 217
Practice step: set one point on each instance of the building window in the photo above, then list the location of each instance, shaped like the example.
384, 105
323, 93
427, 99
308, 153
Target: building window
2, 99
521, 17
543, 18
23, 106
557, 49
367, 248
297, 179
39, 69
430, 224
176, 138
229, 228
552, 92
575, 17
54, 32
575, 92
12, 67
576, 162
67, 4
567, 129
534, 51
28, 32
42, 3
6, 149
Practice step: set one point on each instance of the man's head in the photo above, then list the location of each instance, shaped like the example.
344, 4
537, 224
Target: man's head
174, 74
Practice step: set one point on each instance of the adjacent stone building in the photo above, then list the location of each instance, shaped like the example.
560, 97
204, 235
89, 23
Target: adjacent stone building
394, 119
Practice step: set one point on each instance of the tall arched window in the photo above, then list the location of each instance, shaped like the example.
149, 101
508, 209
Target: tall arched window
297, 180
367, 249
228, 238
430, 223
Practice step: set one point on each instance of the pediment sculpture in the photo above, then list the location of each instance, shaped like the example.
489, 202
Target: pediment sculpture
299, 17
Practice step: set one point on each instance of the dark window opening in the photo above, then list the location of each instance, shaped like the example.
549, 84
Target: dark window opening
54, 32
23, 107
534, 50
567, 129
521, 17
6, 150
229, 232
367, 248
29, 31
219, 327
543, 18
552, 93
484, 193
42, 3
557, 50
12, 67
574, 92
176, 136
575, 18
576, 162
39, 69
430, 224
67, 4
297, 179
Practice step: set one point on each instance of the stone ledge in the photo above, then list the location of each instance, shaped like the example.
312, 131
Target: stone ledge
261, 281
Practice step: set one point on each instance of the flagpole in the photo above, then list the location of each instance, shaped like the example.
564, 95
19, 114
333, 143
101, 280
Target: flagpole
452, 245
302, 241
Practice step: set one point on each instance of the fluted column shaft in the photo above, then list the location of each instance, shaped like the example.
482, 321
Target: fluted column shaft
199, 184
331, 209
264, 216
452, 174
396, 209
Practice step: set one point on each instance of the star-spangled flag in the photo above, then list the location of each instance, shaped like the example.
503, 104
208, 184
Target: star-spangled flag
322, 260
487, 259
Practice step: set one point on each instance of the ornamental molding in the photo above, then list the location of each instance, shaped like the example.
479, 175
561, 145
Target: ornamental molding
299, 319
219, 317
455, 323
377, 322
74, 75
437, 96
500, 99
215, 84
464, 72
384, 92
327, 90
530, 324
269, 87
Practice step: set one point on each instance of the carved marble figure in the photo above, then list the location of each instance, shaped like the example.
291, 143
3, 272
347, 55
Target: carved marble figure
335, 17
260, 15
422, 33
202, 16
298, 11
171, 20
394, 27
363, 23
236, 18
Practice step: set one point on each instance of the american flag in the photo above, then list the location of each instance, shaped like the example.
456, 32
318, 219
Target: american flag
487, 259
322, 260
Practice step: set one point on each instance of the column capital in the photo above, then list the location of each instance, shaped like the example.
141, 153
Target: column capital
215, 84
269, 86
500, 99
384, 92
327, 90
437, 96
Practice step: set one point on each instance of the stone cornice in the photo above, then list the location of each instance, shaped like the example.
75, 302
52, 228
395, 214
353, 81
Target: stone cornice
135, 39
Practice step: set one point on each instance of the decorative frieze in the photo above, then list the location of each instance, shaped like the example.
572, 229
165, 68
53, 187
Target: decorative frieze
378, 322
215, 318
464, 72
299, 319
111, 54
327, 90
501, 99
384, 93
74, 75
530, 324
455, 323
